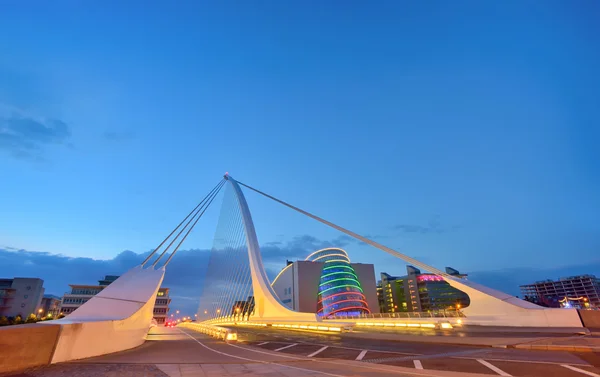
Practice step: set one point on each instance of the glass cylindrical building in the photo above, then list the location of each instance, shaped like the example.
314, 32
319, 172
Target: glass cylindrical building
340, 291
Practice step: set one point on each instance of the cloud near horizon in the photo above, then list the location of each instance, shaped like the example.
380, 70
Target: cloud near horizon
184, 276
186, 272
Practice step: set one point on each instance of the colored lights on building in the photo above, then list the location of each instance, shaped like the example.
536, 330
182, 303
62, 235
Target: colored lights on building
340, 291
422, 278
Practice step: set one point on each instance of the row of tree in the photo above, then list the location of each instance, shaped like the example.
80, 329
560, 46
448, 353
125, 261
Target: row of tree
18, 320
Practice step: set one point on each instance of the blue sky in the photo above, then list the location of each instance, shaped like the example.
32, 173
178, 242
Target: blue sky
465, 133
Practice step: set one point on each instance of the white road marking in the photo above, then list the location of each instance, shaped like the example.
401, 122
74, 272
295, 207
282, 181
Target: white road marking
521, 361
262, 362
363, 365
318, 351
262, 344
580, 370
494, 368
284, 347
361, 355
418, 364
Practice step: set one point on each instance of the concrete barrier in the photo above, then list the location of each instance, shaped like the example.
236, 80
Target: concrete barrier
116, 319
590, 318
211, 330
27, 346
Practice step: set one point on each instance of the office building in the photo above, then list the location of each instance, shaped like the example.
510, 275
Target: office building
50, 306
568, 292
161, 305
328, 284
418, 292
80, 294
380, 297
20, 296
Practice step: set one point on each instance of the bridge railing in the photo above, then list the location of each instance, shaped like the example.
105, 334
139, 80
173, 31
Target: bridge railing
433, 314
211, 330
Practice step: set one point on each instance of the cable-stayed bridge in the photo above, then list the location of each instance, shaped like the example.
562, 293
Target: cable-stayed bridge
237, 291
236, 275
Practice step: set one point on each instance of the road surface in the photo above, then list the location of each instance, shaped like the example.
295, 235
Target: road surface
181, 352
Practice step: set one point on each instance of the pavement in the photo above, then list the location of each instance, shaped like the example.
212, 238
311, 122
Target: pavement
182, 352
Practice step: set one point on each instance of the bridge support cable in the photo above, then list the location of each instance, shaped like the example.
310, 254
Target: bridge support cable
227, 289
192, 227
196, 216
181, 223
379, 246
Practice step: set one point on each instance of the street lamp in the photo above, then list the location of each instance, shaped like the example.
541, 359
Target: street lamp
40, 312
177, 312
218, 311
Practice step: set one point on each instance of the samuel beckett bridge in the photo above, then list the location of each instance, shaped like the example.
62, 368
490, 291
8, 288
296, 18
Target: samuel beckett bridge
246, 326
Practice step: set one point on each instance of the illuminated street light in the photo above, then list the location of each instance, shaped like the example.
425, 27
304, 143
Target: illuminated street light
196, 315
177, 312
206, 312
218, 311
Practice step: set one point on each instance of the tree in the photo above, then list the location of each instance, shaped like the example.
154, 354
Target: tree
18, 320
31, 319
4, 321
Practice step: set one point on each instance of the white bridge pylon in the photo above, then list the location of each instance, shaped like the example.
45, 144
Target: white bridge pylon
487, 306
267, 303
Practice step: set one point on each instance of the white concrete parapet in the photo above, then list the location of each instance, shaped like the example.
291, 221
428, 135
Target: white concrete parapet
212, 330
116, 319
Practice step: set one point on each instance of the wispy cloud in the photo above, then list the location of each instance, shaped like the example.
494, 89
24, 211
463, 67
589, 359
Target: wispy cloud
432, 227
114, 136
25, 136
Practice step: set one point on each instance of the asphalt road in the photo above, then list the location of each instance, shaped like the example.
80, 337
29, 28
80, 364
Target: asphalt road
182, 352
426, 356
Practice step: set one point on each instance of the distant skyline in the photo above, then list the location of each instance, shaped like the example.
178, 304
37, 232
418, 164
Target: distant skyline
462, 133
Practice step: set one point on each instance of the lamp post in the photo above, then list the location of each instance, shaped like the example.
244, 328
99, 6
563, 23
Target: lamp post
40, 313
